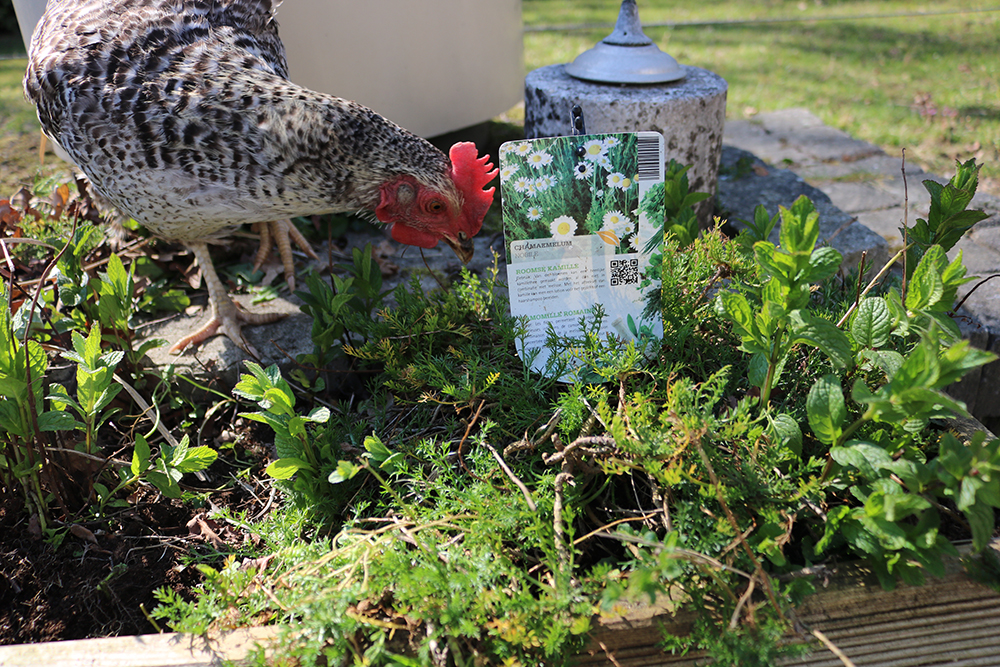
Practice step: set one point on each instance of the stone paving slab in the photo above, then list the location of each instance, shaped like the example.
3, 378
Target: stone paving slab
795, 137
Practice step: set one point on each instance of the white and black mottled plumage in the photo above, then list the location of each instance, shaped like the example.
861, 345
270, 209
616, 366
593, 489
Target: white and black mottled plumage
181, 114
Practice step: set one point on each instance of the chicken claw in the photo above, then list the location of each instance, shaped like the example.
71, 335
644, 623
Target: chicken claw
281, 233
227, 317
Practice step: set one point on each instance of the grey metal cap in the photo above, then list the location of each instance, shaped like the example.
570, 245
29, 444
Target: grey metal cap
627, 55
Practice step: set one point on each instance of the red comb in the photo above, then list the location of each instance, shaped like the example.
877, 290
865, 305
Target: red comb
471, 174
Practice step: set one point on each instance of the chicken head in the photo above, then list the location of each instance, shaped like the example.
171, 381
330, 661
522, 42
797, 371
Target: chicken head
421, 215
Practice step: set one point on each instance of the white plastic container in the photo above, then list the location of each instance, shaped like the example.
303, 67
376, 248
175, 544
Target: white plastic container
432, 66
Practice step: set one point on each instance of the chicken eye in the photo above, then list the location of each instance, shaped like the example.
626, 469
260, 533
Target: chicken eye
435, 206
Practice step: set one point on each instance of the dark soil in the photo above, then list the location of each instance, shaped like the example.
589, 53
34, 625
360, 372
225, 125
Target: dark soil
81, 589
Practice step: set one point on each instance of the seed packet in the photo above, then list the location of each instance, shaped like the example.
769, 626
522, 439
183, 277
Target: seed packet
578, 226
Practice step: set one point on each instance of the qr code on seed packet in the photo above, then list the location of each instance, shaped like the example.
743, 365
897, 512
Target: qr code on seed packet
624, 272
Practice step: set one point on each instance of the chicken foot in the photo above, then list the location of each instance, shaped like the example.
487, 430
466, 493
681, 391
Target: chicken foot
227, 317
281, 233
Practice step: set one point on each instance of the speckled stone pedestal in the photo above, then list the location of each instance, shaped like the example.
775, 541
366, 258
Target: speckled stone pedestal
690, 114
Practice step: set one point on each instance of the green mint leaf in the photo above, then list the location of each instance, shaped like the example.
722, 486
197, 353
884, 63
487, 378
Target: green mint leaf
826, 409
872, 323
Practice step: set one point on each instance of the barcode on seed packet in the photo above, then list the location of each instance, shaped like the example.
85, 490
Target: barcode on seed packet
650, 158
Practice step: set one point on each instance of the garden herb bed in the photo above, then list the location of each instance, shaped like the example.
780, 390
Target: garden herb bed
464, 508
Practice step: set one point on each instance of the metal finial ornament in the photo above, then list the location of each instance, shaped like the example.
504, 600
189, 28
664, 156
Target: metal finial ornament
627, 55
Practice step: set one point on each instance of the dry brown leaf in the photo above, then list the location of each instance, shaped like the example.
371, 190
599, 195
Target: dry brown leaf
258, 564
192, 276
83, 533
59, 199
205, 528
9, 216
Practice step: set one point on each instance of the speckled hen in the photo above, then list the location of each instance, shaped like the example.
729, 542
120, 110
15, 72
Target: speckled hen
181, 114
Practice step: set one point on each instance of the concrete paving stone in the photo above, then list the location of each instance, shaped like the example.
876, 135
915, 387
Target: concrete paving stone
987, 405
218, 358
745, 181
795, 137
885, 223
873, 166
878, 192
987, 202
979, 259
858, 197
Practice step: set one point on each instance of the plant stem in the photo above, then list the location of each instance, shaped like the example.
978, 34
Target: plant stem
772, 364
871, 285
848, 432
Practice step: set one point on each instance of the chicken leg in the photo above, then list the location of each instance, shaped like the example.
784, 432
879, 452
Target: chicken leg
281, 233
227, 317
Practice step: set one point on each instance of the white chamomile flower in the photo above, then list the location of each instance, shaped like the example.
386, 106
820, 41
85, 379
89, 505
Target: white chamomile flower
634, 242
583, 170
531, 190
541, 184
539, 159
507, 172
521, 184
614, 219
616, 179
603, 161
563, 227
534, 213
611, 142
594, 150
626, 183
551, 180
522, 148
628, 226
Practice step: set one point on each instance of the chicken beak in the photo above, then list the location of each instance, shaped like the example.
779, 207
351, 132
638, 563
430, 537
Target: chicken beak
462, 246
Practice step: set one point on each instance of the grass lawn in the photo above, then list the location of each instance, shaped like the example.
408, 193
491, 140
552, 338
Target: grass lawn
928, 83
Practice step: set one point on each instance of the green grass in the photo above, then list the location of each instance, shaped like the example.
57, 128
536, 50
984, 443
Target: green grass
16, 113
862, 75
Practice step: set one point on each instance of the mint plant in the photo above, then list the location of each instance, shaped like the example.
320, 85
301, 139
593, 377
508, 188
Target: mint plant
949, 217
779, 320
95, 388
115, 309
298, 454
22, 380
342, 310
